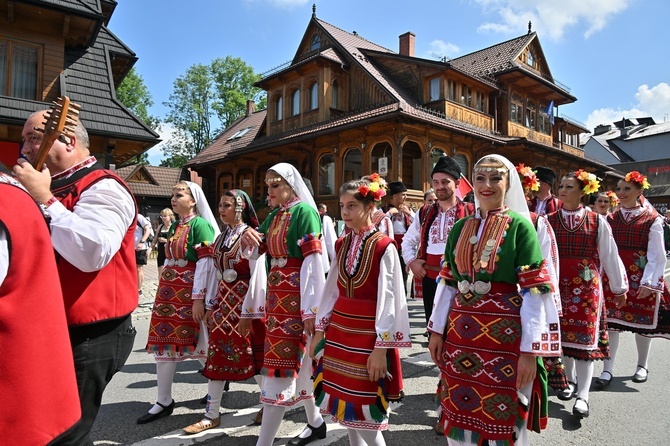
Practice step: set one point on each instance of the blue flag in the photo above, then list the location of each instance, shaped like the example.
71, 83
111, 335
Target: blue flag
550, 112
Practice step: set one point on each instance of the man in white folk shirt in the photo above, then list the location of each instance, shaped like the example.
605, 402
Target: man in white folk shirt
93, 218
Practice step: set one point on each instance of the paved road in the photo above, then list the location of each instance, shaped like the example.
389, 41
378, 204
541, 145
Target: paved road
627, 414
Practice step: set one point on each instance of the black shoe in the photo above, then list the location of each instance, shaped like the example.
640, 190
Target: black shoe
601, 383
149, 417
639, 377
317, 433
569, 393
580, 413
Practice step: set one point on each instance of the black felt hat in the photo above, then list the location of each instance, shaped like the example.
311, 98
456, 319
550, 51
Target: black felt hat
396, 187
545, 174
448, 165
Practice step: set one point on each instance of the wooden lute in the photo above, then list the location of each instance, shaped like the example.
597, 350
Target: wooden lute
61, 119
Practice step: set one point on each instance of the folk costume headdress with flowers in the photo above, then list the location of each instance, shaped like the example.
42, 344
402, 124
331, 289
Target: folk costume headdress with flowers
590, 182
528, 178
614, 200
637, 178
376, 187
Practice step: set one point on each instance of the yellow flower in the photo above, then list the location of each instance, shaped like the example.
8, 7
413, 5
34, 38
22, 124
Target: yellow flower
374, 187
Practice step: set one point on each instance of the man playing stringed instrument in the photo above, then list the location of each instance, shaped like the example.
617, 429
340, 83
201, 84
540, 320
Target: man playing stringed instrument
93, 218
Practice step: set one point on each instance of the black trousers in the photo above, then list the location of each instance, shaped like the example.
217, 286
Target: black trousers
100, 350
429, 288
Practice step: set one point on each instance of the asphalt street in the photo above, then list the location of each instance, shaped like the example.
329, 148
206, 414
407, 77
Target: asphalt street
626, 414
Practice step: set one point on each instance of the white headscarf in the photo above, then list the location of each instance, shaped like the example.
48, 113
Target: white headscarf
515, 199
294, 179
202, 207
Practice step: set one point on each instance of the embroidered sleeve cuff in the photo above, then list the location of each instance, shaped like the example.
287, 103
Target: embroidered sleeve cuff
310, 244
253, 313
392, 340
205, 249
658, 286
536, 278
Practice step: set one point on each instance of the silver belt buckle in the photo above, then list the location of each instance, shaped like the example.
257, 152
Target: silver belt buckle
278, 262
182, 262
219, 276
479, 287
229, 275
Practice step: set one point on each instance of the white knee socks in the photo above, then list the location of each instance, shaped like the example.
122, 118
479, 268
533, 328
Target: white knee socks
272, 417
643, 348
164, 378
614, 346
584, 375
214, 390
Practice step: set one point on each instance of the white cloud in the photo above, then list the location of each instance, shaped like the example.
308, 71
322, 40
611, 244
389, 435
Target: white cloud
439, 49
553, 18
156, 152
654, 102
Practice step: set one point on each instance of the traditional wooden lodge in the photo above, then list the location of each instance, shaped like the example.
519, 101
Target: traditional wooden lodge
52, 48
345, 107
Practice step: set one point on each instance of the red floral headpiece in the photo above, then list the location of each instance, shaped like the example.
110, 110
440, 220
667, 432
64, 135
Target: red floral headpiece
528, 178
637, 178
376, 187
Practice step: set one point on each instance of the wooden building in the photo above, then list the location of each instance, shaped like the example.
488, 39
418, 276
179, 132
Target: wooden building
345, 107
52, 48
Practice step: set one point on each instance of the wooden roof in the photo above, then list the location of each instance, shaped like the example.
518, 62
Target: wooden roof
150, 181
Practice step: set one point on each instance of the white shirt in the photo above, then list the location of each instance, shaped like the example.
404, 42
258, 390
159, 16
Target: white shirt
328, 238
437, 239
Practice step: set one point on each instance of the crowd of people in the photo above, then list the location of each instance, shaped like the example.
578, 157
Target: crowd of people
521, 289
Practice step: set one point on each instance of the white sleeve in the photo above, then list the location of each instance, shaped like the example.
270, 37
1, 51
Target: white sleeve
652, 277
444, 296
91, 234
330, 295
410, 241
312, 279
4, 255
609, 257
329, 237
392, 319
386, 226
253, 306
205, 283
549, 249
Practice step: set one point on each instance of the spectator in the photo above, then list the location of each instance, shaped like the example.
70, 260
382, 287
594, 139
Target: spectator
142, 234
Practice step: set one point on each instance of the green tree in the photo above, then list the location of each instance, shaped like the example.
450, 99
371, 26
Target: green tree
135, 96
234, 85
206, 100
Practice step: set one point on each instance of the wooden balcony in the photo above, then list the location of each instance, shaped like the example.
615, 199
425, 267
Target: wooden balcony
524, 132
462, 113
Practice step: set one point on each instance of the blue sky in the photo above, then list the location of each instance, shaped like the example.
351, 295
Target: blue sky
612, 54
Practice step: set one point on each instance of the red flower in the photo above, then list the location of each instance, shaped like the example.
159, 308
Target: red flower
364, 190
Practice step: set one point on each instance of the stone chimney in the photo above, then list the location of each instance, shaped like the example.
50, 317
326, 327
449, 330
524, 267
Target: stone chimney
251, 107
407, 44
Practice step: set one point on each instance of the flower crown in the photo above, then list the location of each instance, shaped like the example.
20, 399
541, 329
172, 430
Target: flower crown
637, 178
528, 178
614, 200
589, 180
377, 187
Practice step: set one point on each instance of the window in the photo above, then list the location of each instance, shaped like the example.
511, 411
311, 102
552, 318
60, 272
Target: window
18, 69
543, 121
240, 133
381, 150
434, 89
314, 96
327, 175
451, 90
352, 165
462, 161
480, 104
464, 90
295, 103
530, 60
530, 114
335, 92
316, 42
468, 100
279, 108
516, 109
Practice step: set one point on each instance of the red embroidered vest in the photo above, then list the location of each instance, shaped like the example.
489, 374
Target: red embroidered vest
634, 235
110, 292
37, 364
363, 283
427, 215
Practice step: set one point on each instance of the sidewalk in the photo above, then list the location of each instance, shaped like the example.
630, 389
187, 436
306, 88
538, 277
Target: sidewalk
149, 288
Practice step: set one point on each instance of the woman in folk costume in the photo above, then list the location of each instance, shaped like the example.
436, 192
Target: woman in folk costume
492, 313
605, 202
290, 235
584, 244
177, 330
638, 232
363, 317
232, 355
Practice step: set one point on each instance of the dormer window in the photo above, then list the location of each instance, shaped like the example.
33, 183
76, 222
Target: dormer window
434, 89
316, 42
18, 70
314, 96
530, 60
279, 108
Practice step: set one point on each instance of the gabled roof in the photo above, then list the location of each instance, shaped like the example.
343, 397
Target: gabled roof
227, 141
87, 7
150, 181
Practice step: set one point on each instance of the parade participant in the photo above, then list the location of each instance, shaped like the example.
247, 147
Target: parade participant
232, 355
92, 228
604, 202
290, 235
142, 233
401, 216
491, 311
584, 244
177, 331
544, 201
23, 238
363, 317
424, 243
429, 197
379, 217
638, 233
167, 219
328, 238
